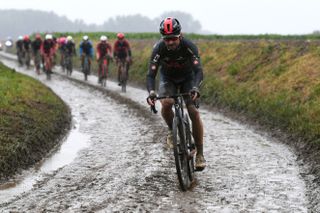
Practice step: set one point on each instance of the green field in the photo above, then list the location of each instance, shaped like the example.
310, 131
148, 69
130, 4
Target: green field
32, 117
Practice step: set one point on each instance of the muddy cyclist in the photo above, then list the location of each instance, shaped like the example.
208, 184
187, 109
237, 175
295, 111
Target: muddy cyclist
180, 67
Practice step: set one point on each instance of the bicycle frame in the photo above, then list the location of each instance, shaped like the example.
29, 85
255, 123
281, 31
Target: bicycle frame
122, 66
48, 65
103, 71
184, 147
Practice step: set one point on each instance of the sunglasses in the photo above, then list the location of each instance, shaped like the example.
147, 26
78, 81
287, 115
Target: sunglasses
171, 39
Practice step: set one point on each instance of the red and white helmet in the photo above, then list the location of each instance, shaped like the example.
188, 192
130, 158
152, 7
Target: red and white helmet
170, 27
120, 35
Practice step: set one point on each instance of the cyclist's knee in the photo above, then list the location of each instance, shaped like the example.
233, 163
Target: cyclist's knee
167, 104
193, 112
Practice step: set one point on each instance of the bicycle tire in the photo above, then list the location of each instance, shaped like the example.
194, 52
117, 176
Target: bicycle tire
86, 68
48, 69
104, 74
180, 154
191, 148
123, 77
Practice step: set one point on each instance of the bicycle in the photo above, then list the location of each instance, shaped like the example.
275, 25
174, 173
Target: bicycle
123, 74
20, 55
27, 58
68, 64
183, 144
86, 67
104, 71
62, 61
37, 61
48, 66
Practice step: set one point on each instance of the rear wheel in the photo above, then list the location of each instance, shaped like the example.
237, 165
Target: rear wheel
123, 77
86, 68
104, 74
180, 154
48, 68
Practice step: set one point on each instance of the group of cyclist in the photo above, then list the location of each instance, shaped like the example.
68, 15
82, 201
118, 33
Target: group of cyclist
40, 49
178, 60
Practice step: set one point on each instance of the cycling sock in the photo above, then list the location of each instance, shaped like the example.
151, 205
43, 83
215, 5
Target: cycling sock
199, 149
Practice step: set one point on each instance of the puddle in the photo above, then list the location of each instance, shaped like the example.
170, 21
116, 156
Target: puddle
65, 155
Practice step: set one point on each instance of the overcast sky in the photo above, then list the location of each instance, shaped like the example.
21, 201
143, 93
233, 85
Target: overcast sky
217, 16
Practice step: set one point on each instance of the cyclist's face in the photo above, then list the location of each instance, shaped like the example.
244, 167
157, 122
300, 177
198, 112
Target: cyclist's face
172, 43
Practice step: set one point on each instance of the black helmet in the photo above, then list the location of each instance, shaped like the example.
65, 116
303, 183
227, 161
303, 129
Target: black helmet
170, 27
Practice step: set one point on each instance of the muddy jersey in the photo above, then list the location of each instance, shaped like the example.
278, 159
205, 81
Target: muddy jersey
36, 45
48, 47
103, 49
19, 45
27, 45
121, 49
175, 65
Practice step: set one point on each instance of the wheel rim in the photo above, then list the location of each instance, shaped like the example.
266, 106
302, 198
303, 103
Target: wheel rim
182, 163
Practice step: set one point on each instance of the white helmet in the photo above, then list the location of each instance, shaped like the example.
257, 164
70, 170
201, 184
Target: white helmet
20, 37
103, 38
69, 38
85, 37
48, 36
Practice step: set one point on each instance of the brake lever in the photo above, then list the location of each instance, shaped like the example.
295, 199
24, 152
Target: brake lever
153, 109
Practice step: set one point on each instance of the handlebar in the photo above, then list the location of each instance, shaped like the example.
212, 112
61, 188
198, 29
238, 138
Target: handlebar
154, 110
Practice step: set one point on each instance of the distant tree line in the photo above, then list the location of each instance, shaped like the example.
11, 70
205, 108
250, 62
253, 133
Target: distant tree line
20, 22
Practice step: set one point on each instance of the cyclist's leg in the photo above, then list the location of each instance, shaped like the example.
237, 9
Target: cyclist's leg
119, 70
197, 125
89, 60
82, 62
167, 88
100, 63
127, 69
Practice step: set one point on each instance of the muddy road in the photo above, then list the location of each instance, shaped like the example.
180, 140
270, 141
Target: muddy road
120, 162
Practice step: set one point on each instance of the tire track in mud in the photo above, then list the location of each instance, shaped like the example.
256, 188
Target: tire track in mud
127, 167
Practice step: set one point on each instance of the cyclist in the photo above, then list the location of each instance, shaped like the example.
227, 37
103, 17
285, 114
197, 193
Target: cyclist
122, 51
86, 49
103, 50
70, 49
36, 48
27, 49
20, 50
180, 66
48, 47
62, 47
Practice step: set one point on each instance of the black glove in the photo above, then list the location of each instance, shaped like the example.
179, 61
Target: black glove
195, 93
151, 98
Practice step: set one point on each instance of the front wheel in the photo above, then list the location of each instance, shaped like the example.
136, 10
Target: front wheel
191, 148
181, 153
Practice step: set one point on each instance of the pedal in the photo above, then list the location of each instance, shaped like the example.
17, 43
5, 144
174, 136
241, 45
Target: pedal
199, 169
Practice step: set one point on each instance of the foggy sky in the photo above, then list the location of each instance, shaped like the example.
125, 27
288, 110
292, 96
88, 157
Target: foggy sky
216, 16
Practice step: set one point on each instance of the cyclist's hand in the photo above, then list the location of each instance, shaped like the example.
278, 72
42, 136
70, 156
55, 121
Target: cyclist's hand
195, 93
152, 98
129, 60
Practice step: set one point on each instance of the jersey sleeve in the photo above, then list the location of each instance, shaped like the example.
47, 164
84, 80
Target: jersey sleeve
196, 64
153, 67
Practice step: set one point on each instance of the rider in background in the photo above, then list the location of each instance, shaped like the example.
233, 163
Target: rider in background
27, 49
104, 49
86, 49
36, 51
179, 62
70, 47
62, 47
48, 47
122, 51
20, 50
